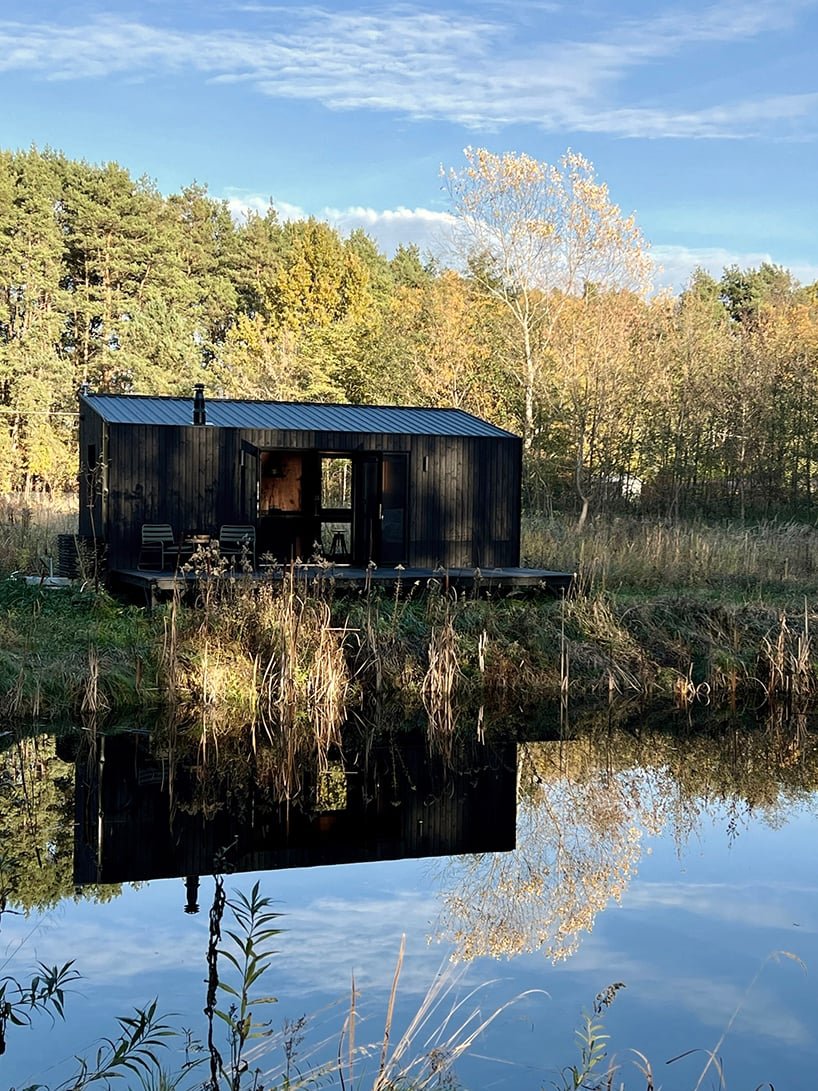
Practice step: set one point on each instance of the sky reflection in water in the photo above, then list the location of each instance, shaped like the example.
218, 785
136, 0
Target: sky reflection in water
710, 890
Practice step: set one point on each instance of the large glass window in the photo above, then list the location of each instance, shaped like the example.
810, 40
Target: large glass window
336, 507
336, 482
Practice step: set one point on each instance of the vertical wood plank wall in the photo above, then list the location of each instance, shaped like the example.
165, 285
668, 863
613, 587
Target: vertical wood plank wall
464, 492
91, 433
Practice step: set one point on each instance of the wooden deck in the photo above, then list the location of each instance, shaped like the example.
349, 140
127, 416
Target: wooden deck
153, 585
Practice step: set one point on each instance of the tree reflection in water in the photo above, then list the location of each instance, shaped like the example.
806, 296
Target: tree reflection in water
37, 827
585, 806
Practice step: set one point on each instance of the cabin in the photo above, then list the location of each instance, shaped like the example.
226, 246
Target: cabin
358, 484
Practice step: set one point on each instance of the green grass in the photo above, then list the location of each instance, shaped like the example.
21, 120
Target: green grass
63, 653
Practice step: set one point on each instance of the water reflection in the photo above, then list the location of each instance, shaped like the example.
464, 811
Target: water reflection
36, 826
585, 807
578, 843
139, 817
91, 811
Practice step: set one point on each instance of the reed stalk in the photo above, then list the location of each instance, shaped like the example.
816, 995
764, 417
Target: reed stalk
440, 683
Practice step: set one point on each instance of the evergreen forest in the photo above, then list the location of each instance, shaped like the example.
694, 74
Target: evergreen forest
701, 403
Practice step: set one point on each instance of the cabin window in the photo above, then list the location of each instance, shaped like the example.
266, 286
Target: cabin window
336, 482
336, 507
93, 473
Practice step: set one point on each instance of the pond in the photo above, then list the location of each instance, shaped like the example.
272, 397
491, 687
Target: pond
671, 871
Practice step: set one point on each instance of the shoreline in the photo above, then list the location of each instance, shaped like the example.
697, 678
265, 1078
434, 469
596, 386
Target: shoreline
245, 653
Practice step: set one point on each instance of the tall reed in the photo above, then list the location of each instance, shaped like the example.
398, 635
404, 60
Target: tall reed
441, 680
786, 669
615, 552
265, 659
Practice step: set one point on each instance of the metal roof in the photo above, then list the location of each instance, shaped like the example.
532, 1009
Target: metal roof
292, 416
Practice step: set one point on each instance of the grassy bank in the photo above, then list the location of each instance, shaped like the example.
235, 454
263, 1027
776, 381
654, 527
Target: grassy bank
73, 653
668, 613
297, 659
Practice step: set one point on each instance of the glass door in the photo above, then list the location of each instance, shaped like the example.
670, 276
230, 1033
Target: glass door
393, 509
336, 508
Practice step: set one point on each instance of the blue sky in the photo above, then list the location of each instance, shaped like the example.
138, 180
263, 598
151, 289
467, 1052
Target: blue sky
701, 117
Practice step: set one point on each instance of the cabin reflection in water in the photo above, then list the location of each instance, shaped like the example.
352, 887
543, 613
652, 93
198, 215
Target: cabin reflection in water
403, 802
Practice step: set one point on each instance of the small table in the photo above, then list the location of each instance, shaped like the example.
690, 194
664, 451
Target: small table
193, 542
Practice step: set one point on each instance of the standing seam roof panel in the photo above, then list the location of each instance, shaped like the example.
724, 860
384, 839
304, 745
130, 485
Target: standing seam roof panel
293, 416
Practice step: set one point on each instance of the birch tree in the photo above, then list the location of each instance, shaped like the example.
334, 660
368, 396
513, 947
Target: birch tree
537, 235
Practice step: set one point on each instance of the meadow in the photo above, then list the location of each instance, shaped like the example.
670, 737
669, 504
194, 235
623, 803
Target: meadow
679, 612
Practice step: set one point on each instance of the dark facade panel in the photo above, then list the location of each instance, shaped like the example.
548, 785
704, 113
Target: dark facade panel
461, 505
92, 474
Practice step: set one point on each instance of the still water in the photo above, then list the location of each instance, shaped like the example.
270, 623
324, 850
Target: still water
530, 875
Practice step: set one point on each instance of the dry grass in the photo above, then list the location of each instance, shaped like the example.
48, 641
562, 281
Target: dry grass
264, 661
615, 553
440, 682
28, 530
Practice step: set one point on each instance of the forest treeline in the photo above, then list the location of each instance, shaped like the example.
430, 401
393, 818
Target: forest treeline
699, 403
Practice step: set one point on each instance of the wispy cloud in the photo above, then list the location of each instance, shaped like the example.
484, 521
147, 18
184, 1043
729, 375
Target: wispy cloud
478, 70
749, 905
766, 1004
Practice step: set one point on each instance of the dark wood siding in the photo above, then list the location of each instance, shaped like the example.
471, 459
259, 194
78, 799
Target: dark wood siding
463, 503
92, 481
165, 475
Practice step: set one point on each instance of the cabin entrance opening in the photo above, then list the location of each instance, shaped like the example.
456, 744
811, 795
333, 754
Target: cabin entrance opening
348, 507
284, 489
336, 509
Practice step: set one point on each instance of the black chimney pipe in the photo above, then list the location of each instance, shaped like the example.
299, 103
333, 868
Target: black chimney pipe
199, 411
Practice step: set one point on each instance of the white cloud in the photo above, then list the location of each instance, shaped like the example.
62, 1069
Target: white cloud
762, 1003
749, 906
675, 264
110, 958
760, 1010
429, 230
242, 206
372, 928
476, 71
732, 121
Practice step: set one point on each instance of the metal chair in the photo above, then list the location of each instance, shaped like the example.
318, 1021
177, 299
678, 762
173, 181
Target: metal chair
158, 547
235, 540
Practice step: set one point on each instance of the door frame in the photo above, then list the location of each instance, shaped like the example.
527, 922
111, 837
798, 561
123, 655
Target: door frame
371, 507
